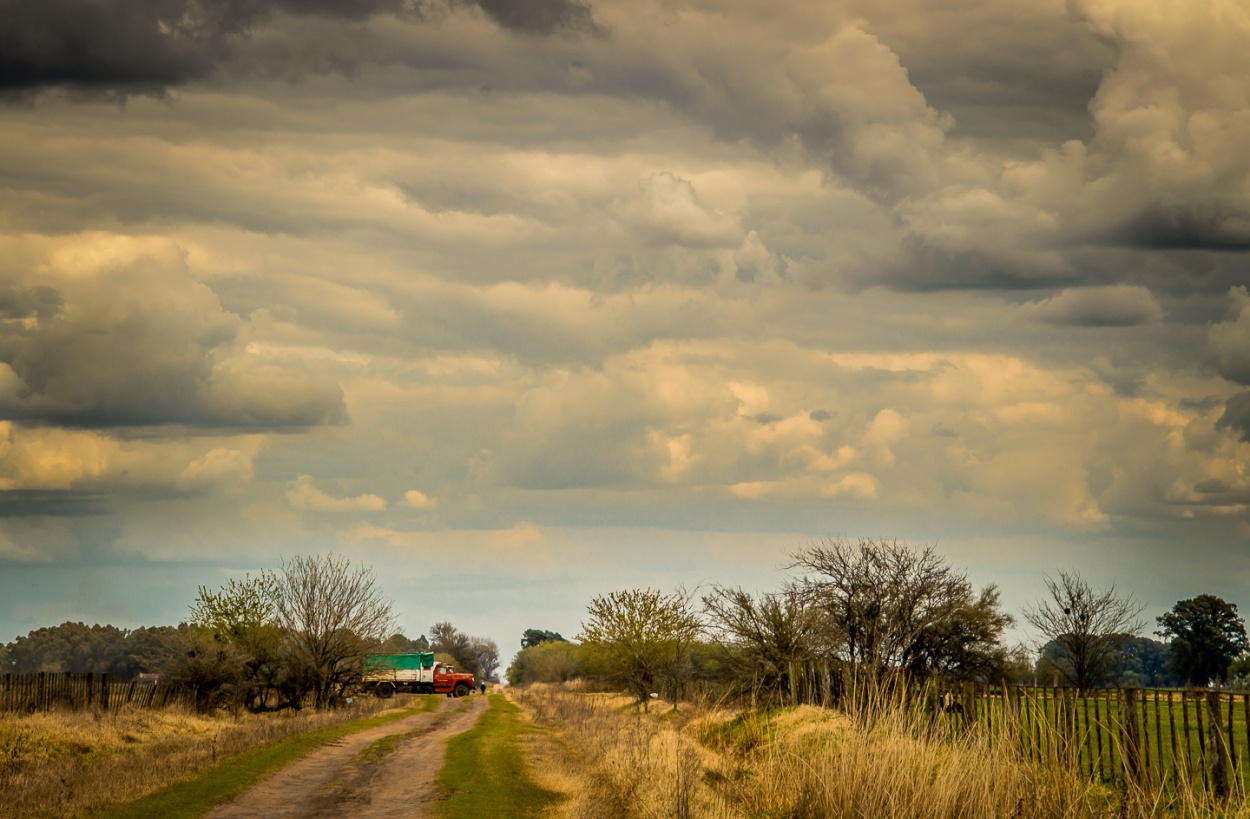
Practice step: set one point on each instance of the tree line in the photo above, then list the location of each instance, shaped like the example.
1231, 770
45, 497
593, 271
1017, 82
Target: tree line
281, 639
887, 608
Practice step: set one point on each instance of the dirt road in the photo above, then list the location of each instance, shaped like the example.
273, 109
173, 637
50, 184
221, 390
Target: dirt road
335, 781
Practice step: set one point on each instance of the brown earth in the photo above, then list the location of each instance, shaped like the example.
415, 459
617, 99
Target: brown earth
335, 781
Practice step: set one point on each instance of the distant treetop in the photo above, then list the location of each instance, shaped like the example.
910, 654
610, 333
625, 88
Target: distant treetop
534, 636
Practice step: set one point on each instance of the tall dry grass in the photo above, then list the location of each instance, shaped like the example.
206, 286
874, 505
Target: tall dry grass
813, 763
59, 764
615, 761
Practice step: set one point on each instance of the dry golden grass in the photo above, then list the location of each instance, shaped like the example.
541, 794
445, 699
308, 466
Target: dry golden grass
61, 763
611, 760
806, 763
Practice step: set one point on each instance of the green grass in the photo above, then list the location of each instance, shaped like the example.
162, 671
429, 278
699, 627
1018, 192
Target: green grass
196, 796
389, 743
744, 732
1165, 719
485, 775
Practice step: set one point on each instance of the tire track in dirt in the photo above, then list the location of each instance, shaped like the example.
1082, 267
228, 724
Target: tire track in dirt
333, 781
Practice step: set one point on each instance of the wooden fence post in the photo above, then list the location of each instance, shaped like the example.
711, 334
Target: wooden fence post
1218, 746
1132, 739
104, 691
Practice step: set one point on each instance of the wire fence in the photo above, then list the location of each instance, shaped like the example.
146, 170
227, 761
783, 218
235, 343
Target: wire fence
1164, 740
1151, 739
45, 691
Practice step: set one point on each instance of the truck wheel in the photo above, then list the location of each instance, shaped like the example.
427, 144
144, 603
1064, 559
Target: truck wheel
384, 691
462, 690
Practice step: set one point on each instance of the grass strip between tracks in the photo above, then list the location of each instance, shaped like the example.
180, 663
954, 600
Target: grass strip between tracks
485, 772
199, 794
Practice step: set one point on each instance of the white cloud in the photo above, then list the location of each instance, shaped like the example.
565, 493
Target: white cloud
306, 497
418, 499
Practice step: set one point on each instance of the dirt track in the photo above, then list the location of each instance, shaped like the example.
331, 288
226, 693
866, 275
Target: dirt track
332, 782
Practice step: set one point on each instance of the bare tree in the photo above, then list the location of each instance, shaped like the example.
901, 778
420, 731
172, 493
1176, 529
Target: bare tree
767, 633
445, 638
486, 651
211, 669
637, 637
1086, 628
332, 614
879, 596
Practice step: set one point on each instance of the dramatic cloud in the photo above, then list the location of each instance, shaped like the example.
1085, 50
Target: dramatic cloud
135, 341
1230, 340
1114, 306
613, 292
539, 16
120, 47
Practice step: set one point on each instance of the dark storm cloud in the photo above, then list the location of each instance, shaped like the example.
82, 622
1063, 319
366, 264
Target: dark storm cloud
106, 44
1114, 306
1189, 228
1237, 415
539, 16
31, 302
25, 503
149, 346
119, 47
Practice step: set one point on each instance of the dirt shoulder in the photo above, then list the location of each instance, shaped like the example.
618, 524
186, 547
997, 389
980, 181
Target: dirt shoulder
379, 772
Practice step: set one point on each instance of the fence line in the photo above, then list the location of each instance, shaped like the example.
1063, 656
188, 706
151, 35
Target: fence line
44, 691
1157, 740
1153, 739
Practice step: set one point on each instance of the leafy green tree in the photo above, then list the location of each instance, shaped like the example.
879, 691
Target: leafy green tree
966, 645
399, 644
74, 647
547, 661
1205, 634
639, 637
1087, 627
534, 636
1239, 671
243, 615
1146, 663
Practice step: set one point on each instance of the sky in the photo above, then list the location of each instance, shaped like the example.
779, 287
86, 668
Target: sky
519, 302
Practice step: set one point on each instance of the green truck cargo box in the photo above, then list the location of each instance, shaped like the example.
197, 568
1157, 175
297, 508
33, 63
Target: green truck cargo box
400, 662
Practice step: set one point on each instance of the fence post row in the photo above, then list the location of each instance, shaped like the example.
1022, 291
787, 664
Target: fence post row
1218, 747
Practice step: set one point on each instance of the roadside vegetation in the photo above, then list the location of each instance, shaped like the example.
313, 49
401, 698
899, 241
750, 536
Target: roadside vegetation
609, 759
70, 763
290, 638
485, 772
629, 729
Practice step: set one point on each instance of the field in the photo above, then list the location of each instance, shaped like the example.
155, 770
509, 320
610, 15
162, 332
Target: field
1175, 740
59, 763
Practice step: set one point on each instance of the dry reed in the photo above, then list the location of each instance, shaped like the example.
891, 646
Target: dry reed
619, 762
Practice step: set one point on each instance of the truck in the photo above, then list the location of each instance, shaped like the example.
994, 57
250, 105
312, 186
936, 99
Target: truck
416, 673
